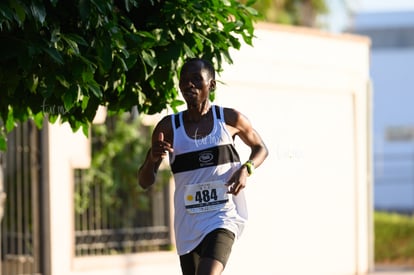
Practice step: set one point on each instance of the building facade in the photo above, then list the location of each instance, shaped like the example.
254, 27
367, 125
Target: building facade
392, 67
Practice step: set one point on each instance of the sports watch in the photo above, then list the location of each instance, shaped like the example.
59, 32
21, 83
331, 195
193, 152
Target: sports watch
250, 166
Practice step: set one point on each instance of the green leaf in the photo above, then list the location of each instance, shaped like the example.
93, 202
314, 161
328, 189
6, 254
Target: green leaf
212, 96
84, 102
122, 62
250, 2
188, 51
55, 55
53, 118
19, 11
38, 11
91, 65
3, 142
146, 34
32, 83
252, 11
63, 81
87, 76
55, 35
85, 129
77, 38
90, 107
104, 55
99, 5
84, 9
70, 97
176, 103
10, 121
38, 119
54, 2
94, 87
120, 84
149, 58
71, 43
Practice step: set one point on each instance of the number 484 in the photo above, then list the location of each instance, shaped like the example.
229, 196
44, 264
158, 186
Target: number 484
206, 195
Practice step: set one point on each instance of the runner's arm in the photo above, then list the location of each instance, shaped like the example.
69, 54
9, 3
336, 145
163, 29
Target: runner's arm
160, 147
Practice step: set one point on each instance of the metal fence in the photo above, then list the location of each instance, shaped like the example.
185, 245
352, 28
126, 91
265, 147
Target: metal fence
20, 229
113, 215
102, 229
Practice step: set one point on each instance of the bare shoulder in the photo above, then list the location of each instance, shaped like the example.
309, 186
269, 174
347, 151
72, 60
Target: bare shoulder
234, 118
237, 123
164, 126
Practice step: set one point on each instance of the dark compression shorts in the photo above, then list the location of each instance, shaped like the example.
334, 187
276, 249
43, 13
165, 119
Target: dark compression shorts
216, 245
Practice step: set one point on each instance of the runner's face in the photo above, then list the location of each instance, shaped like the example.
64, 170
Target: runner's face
195, 83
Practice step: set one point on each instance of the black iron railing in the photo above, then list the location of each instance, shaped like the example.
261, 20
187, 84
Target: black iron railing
102, 229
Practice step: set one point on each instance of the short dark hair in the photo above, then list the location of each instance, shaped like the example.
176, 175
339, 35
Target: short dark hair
206, 65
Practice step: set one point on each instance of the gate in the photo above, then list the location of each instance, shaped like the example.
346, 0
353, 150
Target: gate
20, 228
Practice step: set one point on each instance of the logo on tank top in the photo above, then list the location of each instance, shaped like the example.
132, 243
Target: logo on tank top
214, 137
206, 158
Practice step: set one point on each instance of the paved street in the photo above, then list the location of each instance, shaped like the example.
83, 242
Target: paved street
393, 270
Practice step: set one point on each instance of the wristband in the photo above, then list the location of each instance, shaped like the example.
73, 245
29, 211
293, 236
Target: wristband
250, 167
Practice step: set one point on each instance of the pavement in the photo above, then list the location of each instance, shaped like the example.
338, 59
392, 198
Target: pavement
393, 270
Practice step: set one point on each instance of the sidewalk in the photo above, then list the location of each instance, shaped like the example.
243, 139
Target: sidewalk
393, 270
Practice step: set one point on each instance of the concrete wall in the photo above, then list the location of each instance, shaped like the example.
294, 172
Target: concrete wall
307, 93
310, 206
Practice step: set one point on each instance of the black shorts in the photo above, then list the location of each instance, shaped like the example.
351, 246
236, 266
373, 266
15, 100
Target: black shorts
216, 245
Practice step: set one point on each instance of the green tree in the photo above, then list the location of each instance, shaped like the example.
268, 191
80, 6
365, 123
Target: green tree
291, 12
62, 59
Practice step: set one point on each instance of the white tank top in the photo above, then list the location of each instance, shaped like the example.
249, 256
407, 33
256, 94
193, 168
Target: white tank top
201, 167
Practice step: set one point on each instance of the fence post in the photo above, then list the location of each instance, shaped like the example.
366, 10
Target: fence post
2, 200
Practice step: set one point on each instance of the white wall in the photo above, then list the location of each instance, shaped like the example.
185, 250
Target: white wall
67, 151
306, 92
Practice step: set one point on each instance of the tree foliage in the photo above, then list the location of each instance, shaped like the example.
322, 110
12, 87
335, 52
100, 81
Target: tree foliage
291, 12
118, 146
62, 59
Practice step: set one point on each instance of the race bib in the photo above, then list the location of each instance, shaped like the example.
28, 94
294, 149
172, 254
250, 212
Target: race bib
203, 197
